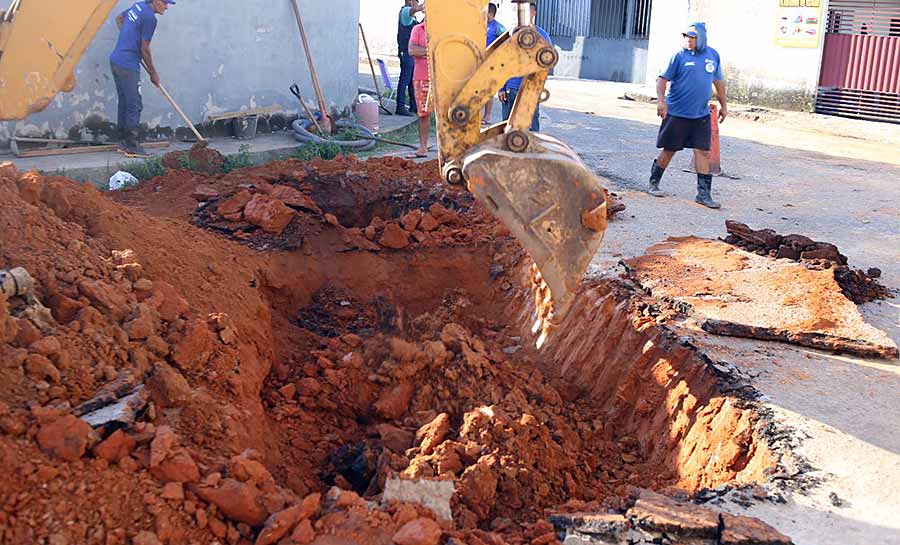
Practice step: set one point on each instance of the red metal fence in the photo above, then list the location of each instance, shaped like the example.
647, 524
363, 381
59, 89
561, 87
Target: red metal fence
860, 74
865, 63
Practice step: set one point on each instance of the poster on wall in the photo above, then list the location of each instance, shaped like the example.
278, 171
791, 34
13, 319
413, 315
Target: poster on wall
799, 23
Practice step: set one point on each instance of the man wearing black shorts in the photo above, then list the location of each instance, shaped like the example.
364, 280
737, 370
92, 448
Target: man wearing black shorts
685, 110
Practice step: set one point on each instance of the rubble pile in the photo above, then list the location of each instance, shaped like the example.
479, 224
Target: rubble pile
859, 286
168, 382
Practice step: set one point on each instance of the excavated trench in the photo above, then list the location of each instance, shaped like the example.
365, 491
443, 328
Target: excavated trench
352, 323
421, 362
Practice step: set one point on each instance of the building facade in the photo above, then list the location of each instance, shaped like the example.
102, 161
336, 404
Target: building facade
214, 57
599, 39
839, 57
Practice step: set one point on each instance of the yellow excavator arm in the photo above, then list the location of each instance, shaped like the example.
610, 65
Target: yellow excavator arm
41, 42
536, 185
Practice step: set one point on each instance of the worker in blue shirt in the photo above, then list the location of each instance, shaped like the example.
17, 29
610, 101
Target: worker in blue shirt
406, 89
686, 122
510, 90
494, 31
136, 27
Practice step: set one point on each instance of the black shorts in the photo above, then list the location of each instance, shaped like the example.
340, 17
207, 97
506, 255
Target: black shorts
677, 133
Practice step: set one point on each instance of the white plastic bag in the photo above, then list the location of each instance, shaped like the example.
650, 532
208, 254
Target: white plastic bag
121, 180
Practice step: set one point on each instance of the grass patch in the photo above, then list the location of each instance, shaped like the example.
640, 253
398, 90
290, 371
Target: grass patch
327, 150
242, 159
146, 169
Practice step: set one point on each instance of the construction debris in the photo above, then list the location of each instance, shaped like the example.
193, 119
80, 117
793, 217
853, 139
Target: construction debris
860, 287
248, 385
733, 292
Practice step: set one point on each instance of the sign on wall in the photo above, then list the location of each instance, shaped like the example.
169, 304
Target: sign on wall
799, 23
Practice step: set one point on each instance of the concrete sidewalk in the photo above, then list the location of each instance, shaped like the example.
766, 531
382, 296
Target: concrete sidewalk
97, 167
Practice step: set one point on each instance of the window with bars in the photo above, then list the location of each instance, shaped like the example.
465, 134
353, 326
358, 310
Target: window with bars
596, 18
866, 17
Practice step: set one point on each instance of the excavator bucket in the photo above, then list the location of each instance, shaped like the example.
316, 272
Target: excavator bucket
40, 45
550, 202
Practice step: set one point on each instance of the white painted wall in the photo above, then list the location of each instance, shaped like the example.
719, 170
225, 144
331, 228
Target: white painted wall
214, 56
743, 32
379, 20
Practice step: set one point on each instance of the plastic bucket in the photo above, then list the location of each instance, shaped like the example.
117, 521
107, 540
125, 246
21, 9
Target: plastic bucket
245, 127
367, 112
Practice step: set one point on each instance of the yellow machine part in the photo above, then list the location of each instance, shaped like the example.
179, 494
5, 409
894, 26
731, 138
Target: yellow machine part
41, 42
536, 185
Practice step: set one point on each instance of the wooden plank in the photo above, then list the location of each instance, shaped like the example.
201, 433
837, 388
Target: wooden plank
84, 149
267, 110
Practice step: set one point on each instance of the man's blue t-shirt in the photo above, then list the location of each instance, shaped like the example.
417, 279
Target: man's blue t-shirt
406, 18
494, 31
692, 74
515, 83
139, 25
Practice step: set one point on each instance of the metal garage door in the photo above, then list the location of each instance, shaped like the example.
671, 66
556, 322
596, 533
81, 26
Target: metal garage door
861, 61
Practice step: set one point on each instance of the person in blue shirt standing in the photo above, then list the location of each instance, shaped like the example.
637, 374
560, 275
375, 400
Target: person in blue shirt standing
510, 90
405, 25
494, 31
136, 27
686, 122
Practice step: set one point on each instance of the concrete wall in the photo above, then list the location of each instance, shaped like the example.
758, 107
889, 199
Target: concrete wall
601, 58
756, 69
215, 56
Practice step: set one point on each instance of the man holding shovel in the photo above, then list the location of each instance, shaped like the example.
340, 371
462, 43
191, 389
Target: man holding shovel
136, 27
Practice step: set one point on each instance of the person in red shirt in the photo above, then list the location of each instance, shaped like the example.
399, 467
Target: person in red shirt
418, 49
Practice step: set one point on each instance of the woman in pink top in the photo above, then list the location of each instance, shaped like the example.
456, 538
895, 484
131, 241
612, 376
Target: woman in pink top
418, 49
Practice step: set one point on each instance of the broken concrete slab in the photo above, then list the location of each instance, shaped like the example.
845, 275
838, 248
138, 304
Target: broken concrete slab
432, 494
733, 292
655, 518
124, 411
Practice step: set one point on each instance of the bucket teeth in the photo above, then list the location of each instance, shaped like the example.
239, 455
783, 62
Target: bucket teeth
550, 202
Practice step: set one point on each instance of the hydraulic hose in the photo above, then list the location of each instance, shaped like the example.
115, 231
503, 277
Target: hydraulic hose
303, 134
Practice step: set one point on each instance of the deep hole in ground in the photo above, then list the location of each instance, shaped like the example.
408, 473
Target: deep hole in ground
348, 354
374, 346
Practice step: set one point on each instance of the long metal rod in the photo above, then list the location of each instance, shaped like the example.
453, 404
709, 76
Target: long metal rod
384, 141
372, 68
323, 107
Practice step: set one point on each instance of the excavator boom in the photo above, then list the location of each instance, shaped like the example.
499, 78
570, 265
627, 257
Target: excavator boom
41, 42
536, 185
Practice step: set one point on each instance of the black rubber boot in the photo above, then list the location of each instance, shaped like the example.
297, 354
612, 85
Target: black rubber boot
120, 140
132, 147
704, 190
656, 174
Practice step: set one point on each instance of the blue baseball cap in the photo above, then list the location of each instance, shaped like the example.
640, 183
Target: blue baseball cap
689, 31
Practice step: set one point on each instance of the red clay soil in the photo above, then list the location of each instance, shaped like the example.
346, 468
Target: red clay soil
339, 364
733, 292
200, 158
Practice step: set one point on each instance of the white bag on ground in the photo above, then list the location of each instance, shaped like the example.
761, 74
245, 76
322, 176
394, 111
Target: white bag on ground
121, 180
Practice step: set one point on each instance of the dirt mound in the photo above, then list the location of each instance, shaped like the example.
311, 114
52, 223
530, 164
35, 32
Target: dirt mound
384, 203
187, 388
859, 286
200, 158
733, 292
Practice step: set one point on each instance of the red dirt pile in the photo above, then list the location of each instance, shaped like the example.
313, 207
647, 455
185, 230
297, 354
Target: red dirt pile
183, 387
200, 158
